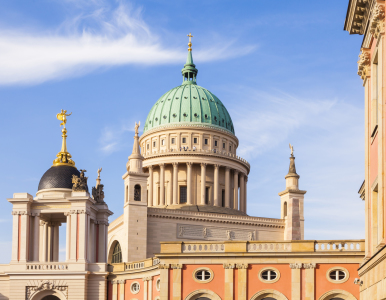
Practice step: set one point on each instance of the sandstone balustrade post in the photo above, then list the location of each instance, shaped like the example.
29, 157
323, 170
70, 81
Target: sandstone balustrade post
203, 183
175, 183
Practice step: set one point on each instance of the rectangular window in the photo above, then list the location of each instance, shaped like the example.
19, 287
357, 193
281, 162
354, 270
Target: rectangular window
148, 146
195, 140
223, 145
206, 141
154, 144
163, 142
230, 148
207, 195
183, 194
184, 140
223, 198
173, 141
215, 143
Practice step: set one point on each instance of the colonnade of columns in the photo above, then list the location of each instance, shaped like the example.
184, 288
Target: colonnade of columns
239, 181
49, 242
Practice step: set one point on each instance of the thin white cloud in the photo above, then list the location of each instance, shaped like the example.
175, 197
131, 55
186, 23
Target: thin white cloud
114, 137
102, 37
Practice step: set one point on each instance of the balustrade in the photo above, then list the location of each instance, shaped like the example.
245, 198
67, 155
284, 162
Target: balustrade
47, 266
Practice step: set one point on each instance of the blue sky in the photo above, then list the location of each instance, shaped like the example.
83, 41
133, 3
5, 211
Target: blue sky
285, 70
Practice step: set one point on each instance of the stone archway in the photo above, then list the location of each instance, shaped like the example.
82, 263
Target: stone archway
111, 247
48, 295
330, 295
195, 295
268, 294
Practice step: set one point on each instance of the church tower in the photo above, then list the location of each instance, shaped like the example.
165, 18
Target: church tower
292, 204
135, 206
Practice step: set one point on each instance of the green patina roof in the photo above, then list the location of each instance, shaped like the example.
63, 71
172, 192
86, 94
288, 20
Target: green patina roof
189, 104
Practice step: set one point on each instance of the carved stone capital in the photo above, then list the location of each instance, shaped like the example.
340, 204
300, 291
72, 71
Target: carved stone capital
229, 266
122, 281
189, 164
149, 278
203, 165
163, 266
309, 266
36, 214
377, 23
67, 214
20, 212
296, 266
216, 166
176, 266
242, 266
175, 164
364, 64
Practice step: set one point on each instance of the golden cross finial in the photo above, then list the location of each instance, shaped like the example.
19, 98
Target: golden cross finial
190, 41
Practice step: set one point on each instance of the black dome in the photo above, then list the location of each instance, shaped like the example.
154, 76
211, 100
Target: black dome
58, 177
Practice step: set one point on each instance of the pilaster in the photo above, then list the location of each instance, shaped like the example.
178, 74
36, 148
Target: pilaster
229, 284
164, 276
295, 281
177, 268
242, 281
310, 280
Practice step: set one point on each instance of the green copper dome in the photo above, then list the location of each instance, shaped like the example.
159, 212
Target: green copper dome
189, 104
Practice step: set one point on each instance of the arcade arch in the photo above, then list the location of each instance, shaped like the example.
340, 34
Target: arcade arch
268, 294
203, 294
337, 295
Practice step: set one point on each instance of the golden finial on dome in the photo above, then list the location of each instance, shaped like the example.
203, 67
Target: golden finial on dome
63, 157
190, 42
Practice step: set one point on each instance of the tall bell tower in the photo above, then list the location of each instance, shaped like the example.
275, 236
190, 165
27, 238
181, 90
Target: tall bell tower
135, 206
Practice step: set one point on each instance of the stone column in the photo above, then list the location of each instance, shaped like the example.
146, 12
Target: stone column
145, 288
121, 289
177, 281
242, 191
235, 189
55, 242
82, 247
295, 281
229, 285
150, 200
203, 183
36, 237
45, 245
216, 199
227, 187
175, 183
115, 289
68, 235
150, 288
164, 276
15, 236
242, 281
310, 281
50, 235
245, 193
73, 235
102, 241
162, 183
23, 236
189, 183
91, 239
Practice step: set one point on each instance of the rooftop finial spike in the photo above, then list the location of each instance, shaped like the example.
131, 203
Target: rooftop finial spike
63, 157
190, 41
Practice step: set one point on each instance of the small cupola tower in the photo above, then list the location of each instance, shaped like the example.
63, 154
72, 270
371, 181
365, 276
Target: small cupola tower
135, 205
292, 203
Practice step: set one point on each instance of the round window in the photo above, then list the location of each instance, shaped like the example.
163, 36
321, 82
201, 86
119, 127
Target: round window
337, 275
203, 275
135, 287
269, 275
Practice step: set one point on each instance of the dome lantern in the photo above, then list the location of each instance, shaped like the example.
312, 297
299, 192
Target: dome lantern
189, 72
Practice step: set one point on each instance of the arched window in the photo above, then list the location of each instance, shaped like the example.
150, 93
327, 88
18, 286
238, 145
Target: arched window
137, 192
117, 254
285, 209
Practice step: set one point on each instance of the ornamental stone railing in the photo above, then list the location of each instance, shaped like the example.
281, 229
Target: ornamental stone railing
136, 265
197, 152
345, 245
47, 266
262, 246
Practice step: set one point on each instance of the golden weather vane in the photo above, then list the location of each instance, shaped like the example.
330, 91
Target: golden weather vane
190, 41
63, 157
62, 116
